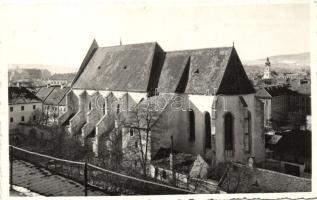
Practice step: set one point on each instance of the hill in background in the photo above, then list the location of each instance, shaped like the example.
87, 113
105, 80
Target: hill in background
281, 63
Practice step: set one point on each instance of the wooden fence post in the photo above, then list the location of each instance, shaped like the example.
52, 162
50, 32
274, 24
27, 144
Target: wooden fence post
11, 167
86, 179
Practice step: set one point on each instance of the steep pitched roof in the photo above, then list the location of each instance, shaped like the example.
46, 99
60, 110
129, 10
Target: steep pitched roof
202, 71
119, 68
144, 67
206, 67
56, 96
21, 95
44, 92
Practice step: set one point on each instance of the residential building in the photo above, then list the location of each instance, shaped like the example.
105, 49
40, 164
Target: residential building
276, 104
54, 101
22, 106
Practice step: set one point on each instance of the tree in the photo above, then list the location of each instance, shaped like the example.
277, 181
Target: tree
39, 117
140, 120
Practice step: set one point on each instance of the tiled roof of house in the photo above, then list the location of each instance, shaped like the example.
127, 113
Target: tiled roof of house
21, 95
44, 92
278, 90
56, 97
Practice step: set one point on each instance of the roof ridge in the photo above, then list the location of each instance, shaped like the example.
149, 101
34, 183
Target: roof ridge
207, 48
123, 45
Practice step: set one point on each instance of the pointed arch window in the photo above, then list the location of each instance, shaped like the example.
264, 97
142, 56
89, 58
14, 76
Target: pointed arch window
191, 125
228, 126
118, 108
207, 131
248, 133
104, 108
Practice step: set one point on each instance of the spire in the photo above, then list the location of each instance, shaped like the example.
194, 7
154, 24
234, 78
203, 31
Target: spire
233, 44
267, 63
120, 41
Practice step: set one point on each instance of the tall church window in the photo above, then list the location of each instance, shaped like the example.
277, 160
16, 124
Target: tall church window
104, 108
118, 108
89, 105
248, 133
228, 134
191, 125
207, 131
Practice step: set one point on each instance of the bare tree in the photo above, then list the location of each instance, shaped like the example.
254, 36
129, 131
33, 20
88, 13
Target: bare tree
140, 120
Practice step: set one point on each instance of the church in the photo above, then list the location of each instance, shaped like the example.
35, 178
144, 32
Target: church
210, 107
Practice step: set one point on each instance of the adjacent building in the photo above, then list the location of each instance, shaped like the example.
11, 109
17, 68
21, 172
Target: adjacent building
276, 104
22, 106
54, 101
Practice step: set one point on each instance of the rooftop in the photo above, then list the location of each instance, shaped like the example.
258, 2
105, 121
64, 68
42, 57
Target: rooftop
145, 67
21, 95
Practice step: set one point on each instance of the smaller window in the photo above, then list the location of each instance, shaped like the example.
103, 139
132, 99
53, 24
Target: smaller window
34, 106
22, 107
196, 71
131, 132
11, 119
89, 105
11, 109
34, 117
156, 172
136, 144
164, 174
22, 119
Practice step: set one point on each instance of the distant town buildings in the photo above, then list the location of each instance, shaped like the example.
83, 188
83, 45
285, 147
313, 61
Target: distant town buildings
61, 79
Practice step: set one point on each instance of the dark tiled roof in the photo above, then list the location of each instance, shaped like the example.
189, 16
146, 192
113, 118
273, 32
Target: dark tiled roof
44, 92
277, 90
119, 68
201, 71
206, 67
144, 67
20, 95
56, 96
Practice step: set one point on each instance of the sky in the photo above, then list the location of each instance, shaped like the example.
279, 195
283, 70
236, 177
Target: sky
56, 33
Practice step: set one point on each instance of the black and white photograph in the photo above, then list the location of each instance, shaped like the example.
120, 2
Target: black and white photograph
189, 99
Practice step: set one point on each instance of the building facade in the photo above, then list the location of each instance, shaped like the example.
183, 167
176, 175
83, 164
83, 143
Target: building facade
22, 106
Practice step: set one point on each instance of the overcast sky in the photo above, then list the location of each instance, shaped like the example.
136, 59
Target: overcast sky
60, 34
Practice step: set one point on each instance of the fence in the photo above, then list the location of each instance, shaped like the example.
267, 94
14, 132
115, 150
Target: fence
90, 175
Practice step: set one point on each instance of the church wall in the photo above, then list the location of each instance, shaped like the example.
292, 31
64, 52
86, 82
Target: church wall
230, 104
